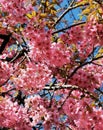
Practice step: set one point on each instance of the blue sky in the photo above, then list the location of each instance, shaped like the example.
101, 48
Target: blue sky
71, 16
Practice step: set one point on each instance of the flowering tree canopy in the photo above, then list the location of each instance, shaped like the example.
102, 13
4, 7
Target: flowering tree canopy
51, 77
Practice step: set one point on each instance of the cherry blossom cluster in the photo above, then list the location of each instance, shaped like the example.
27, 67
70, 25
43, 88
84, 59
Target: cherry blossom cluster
35, 58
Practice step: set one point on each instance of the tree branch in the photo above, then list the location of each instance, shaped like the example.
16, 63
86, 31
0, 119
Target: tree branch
72, 88
99, 2
6, 39
73, 25
81, 65
4, 93
69, 93
67, 10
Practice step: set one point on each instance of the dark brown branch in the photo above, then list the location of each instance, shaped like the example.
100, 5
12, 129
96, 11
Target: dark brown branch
45, 6
85, 91
20, 98
18, 55
24, 51
6, 39
69, 93
98, 58
73, 25
99, 90
75, 70
97, 64
50, 104
69, 128
7, 92
81, 65
100, 2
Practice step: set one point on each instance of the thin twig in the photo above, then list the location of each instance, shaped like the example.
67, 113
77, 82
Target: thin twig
81, 65
69, 93
99, 90
4, 93
97, 64
24, 52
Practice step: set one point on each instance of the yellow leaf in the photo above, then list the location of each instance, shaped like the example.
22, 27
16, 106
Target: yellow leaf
21, 29
43, 15
86, 11
100, 10
101, 50
92, 14
80, 17
90, 2
1, 98
82, 2
54, 1
74, 48
53, 12
43, 1
60, 40
0, 89
93, 104
0, 24
98, 55
12, 78
31, 15
16, 93
47, 3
